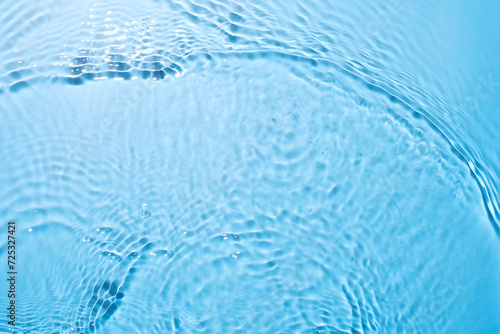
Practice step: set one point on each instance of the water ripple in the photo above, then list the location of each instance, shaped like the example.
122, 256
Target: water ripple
304, 166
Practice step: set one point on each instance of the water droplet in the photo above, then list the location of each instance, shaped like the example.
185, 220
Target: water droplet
144, 211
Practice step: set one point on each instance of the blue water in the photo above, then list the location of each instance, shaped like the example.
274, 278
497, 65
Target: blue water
207, 166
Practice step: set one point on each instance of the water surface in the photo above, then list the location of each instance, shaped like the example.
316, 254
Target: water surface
252, 167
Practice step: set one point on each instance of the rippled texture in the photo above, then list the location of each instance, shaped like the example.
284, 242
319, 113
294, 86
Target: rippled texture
252, 167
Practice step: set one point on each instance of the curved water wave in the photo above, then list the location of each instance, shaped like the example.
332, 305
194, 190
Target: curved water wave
130, 43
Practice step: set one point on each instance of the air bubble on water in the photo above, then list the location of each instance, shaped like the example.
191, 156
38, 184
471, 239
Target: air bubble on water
144, 211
